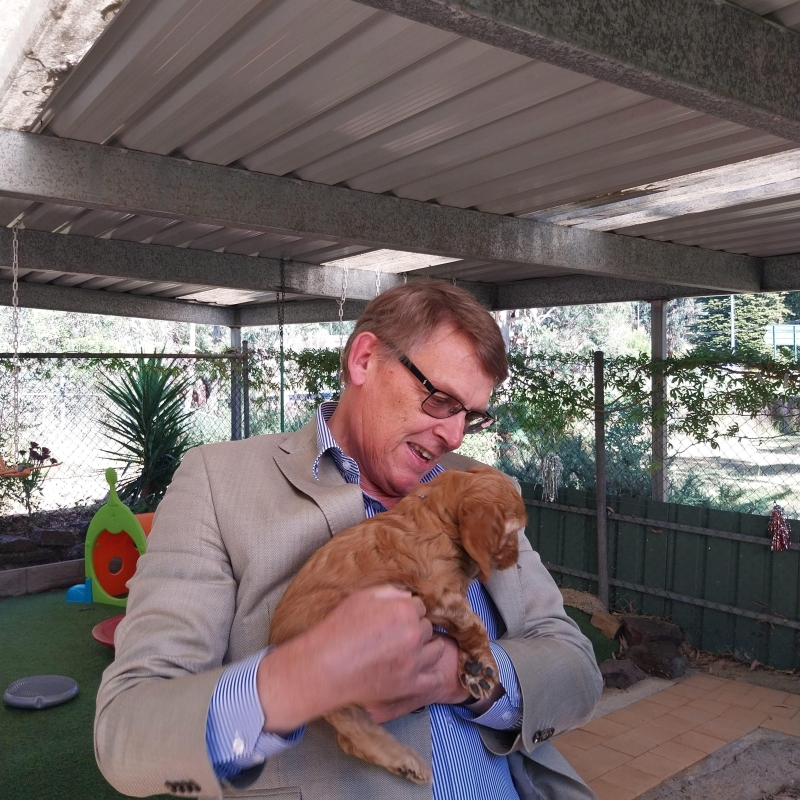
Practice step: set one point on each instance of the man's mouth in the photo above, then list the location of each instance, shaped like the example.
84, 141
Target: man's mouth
421, 453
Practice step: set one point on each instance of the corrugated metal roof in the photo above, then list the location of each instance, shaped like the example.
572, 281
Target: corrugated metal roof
339, 93
783, 12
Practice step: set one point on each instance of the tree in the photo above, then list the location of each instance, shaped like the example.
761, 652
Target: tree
753, 312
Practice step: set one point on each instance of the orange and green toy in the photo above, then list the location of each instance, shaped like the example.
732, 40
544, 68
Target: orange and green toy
114, 542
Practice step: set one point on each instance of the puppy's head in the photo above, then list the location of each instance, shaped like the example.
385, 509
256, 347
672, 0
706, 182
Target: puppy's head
488, 512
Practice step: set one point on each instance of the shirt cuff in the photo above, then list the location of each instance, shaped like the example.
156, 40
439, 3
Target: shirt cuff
506, 713
235, 739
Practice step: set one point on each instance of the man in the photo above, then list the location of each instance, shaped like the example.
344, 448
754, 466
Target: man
196, 704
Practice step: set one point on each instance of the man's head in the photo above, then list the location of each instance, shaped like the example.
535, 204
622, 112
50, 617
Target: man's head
448, 338
406, 317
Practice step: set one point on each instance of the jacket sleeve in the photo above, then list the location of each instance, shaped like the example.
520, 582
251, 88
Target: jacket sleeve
152, 705
555, 664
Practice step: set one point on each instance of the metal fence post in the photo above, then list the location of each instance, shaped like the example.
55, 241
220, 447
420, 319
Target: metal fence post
236, 383
600, 477
658, 352
246, 388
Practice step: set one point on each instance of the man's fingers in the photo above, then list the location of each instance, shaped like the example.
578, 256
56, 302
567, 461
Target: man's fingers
427, 629
432, 651
388, 591
419, 606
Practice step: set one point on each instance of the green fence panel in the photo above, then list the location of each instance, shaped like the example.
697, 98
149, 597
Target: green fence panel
744, 575
722, 555
657, 557
689, 573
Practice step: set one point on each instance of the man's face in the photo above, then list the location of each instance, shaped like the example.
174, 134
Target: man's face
394, 441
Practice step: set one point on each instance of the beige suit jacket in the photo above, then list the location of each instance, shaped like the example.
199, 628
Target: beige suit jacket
237, 523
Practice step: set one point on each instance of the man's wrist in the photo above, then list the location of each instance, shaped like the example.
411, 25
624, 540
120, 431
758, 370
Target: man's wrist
289, 695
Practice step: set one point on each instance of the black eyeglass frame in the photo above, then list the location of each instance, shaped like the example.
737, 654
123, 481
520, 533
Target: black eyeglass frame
480, 420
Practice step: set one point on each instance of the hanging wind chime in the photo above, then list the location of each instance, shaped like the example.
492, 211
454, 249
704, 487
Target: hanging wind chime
552, 468
36, 458
778, 526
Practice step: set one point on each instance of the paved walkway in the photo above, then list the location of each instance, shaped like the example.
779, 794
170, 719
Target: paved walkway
623, 754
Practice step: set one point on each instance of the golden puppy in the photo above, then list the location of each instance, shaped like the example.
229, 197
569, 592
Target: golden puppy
434, 542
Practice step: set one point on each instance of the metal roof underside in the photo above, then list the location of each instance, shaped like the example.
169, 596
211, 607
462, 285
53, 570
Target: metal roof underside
338, 93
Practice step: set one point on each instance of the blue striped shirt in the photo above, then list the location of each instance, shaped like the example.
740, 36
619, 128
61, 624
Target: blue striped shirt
462, 766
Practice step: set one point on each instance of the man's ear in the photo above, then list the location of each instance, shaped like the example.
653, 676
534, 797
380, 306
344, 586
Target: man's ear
481, 527
365, 347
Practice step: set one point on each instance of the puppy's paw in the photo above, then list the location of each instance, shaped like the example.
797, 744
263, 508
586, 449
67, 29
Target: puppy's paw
413, 769
478, 675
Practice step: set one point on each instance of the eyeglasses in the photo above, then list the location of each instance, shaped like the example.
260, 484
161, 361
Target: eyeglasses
441, 405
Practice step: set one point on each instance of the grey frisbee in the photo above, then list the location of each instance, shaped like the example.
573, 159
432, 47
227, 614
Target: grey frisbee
40, 691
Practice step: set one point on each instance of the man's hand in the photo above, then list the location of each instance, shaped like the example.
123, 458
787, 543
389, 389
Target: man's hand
375, 648
438, 684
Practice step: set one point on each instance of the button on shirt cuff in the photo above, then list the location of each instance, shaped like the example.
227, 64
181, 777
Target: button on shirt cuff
235, 739
506, 713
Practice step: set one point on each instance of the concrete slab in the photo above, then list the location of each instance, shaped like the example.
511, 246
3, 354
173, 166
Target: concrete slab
757, 765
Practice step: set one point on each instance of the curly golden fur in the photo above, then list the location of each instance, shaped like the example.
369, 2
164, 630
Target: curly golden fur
434, 542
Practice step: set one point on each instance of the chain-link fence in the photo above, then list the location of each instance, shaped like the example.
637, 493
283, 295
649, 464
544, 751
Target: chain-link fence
744, 461
751, 461
62, 407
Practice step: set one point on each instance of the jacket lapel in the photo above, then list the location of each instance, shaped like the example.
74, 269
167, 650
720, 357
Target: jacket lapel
340, 502
505, 588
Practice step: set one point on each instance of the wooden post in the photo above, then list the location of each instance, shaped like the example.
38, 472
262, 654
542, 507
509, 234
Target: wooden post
658, 352
600, 478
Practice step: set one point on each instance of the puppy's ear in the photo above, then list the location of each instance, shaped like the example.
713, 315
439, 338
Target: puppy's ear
481, 526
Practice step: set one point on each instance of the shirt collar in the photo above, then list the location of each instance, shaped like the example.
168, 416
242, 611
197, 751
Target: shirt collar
347, 466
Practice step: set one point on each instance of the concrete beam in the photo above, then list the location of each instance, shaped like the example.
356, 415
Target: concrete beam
300, 312
117, 304
782, 273
120, 304
148, 262
47, 169
576, 290
708, 55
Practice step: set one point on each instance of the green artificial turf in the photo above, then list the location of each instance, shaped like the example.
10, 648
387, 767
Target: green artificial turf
49, 753
603, 646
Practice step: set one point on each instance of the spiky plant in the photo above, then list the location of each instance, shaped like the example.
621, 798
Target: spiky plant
150, 425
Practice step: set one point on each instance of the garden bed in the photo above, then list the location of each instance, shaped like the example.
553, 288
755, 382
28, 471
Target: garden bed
44, 537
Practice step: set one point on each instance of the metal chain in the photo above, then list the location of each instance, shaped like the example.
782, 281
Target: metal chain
377, 283
15, 333
341, 312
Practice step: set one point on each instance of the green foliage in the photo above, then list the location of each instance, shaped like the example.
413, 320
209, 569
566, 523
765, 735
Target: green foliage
792, 300
27, 489
317, 371
753, 312
548, 405
150, 424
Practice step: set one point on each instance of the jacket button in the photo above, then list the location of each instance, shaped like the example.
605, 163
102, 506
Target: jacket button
548, 733
419, 710
537, 737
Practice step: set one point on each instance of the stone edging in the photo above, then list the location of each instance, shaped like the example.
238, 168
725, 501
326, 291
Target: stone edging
41, 578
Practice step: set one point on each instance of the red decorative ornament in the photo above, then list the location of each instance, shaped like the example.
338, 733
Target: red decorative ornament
778, 526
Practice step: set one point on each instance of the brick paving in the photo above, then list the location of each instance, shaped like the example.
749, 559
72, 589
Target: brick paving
627, 752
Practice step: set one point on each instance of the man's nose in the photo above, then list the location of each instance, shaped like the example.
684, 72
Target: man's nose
451, 430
